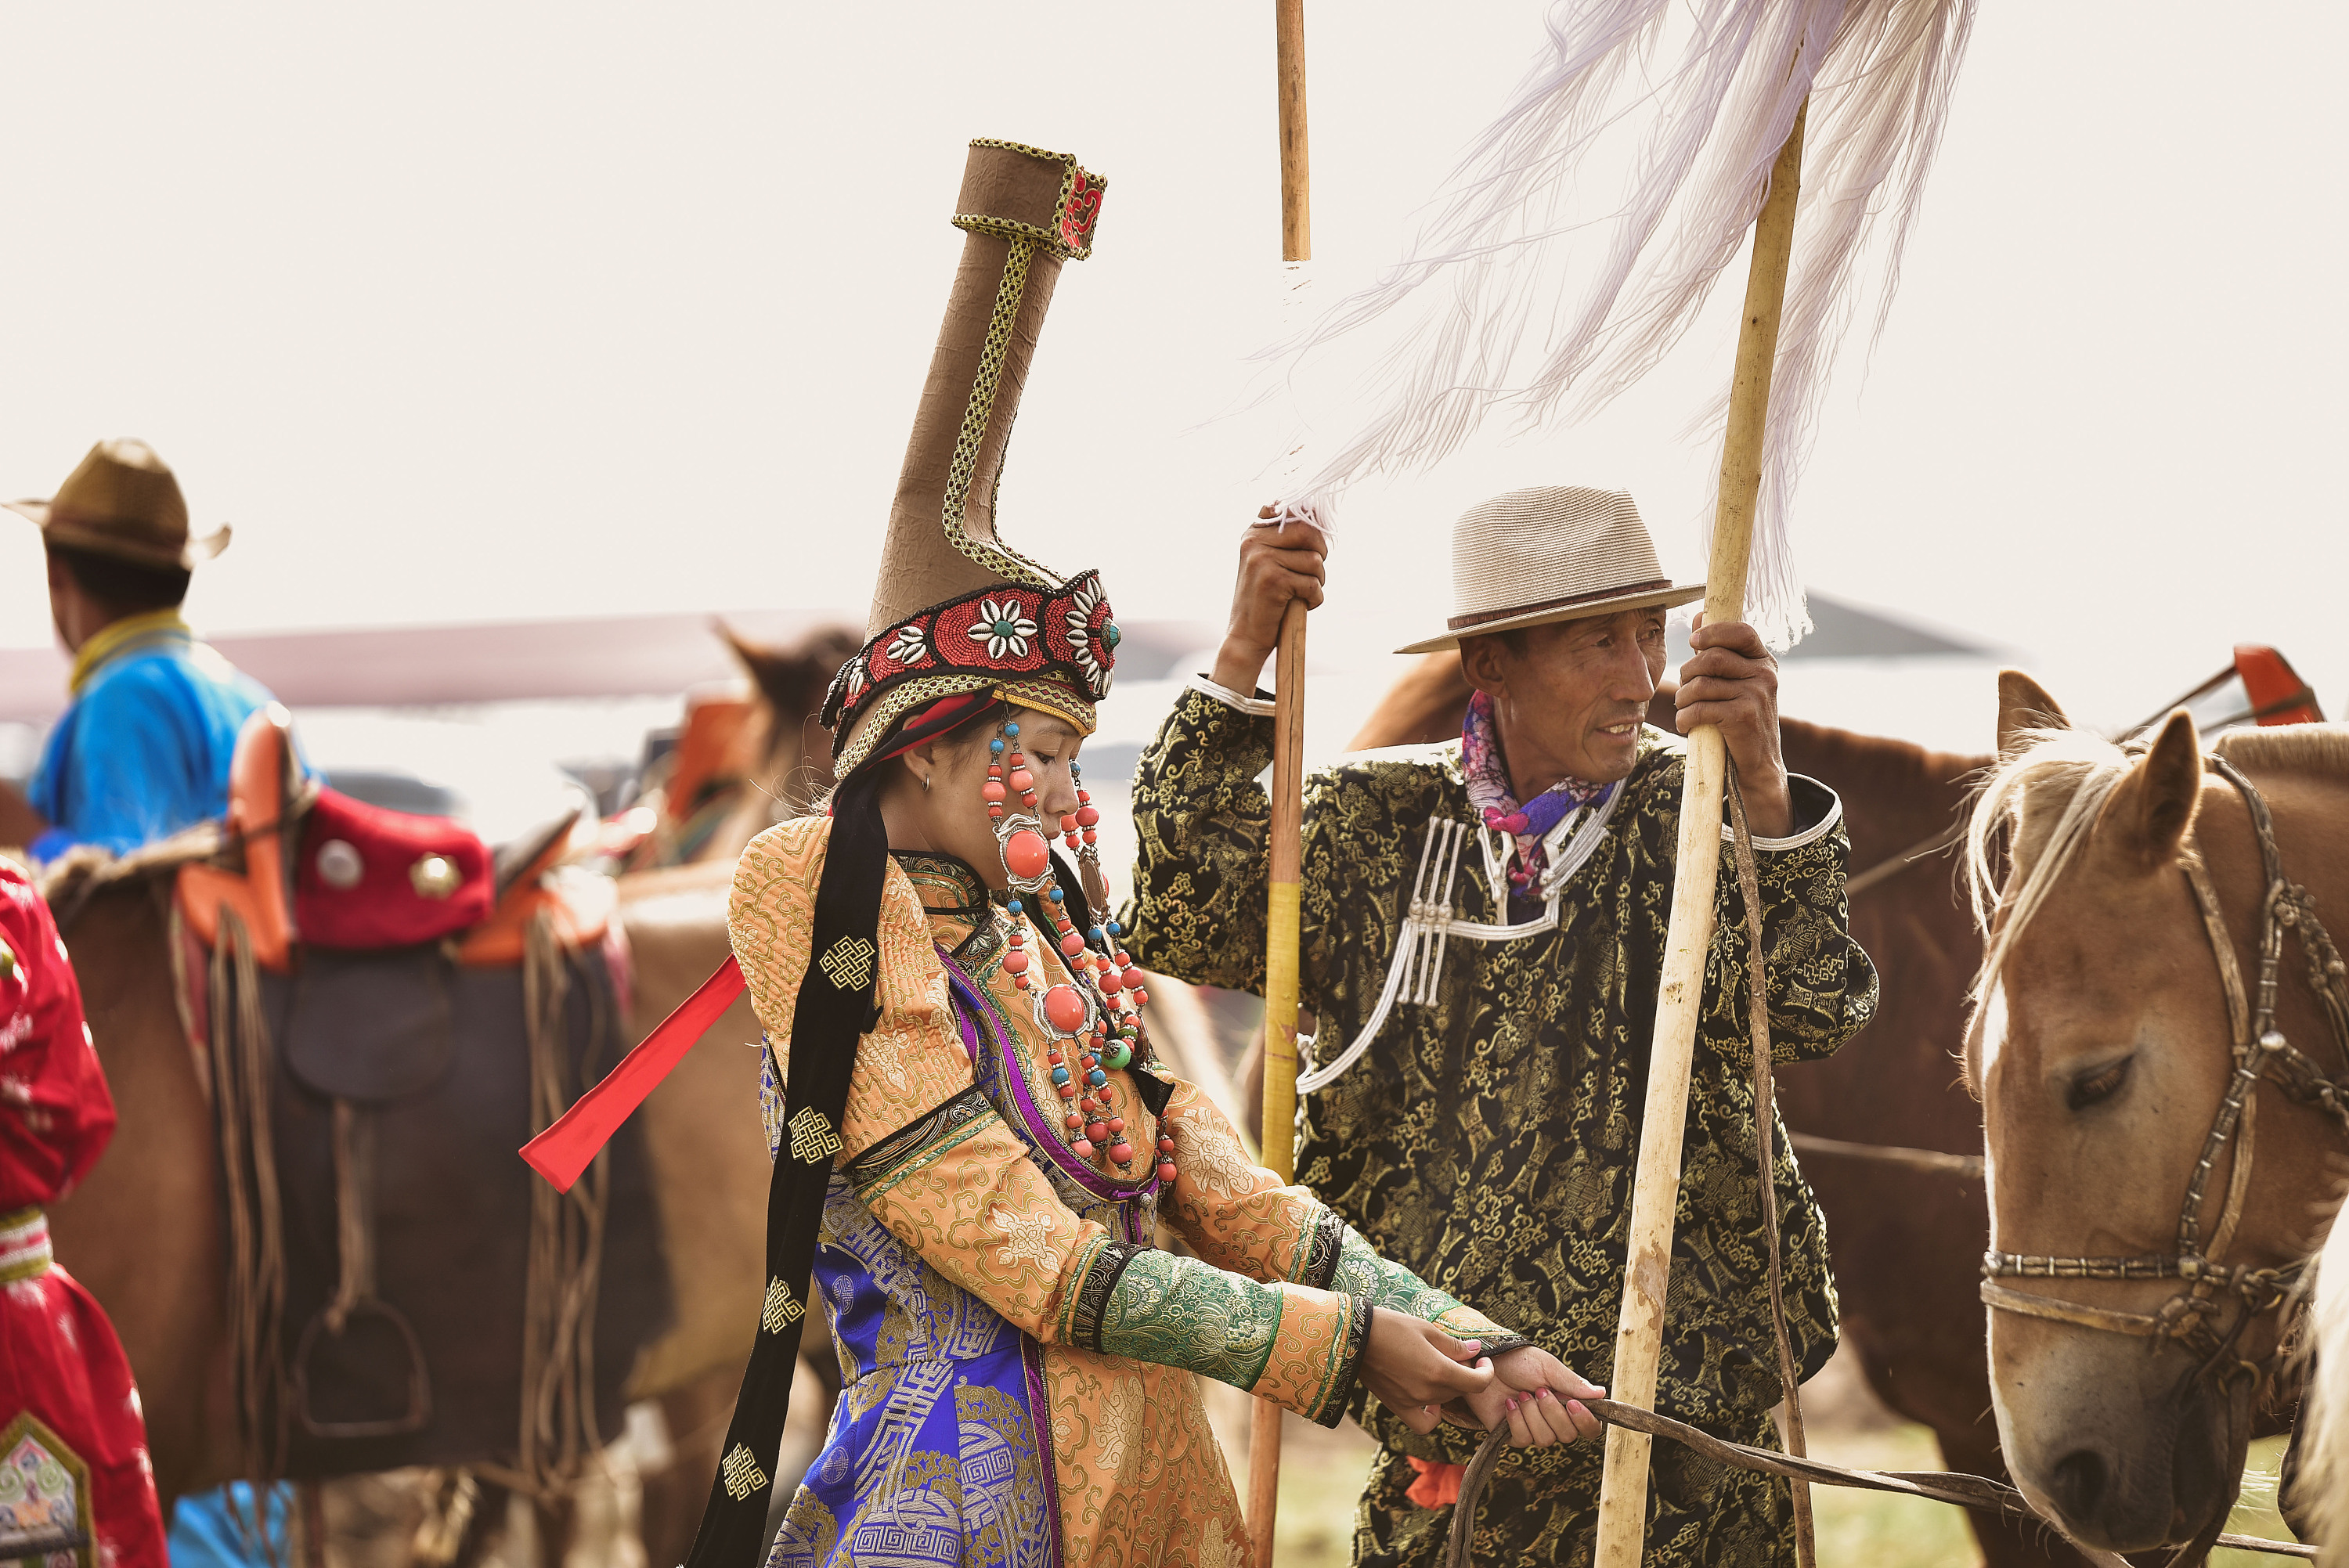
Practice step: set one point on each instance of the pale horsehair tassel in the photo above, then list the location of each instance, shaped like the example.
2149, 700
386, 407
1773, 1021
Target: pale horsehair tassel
1564, 280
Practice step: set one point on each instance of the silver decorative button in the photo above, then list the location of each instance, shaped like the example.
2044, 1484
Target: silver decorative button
339, 865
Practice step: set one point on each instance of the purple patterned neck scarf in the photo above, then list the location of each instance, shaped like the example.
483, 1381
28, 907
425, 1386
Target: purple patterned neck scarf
1489, 791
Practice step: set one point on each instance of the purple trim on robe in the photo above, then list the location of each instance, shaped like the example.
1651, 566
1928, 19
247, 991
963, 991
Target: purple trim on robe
963, 1020
1040, 1418
1044, 1134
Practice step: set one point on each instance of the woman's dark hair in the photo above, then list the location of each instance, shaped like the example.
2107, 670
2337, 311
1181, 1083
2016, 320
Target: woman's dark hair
129, 587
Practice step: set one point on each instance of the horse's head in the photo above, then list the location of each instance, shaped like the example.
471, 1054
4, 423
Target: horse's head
796, 755
2101, 1048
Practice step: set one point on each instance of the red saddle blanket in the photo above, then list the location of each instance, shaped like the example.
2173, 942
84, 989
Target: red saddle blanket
368, 877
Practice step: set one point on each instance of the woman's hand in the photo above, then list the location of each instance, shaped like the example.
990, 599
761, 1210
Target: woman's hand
1415, 1368
1540, 1398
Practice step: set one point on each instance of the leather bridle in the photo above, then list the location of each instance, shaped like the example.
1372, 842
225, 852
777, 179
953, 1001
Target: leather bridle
2192, 1319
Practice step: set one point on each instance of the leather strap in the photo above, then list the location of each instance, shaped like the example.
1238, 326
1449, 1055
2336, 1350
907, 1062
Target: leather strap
2143, 1325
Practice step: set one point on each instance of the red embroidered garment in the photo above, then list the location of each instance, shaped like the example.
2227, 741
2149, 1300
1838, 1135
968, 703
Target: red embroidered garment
60, 1362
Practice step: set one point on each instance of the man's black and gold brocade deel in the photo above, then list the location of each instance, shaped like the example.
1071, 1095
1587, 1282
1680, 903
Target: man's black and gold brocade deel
1488, 1142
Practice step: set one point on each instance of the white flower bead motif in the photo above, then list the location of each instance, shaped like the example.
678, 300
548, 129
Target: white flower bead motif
1081, 604
909, 646
1003, 628
1095, 650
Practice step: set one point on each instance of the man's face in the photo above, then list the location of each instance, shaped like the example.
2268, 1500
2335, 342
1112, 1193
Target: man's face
69, 607
1571, 696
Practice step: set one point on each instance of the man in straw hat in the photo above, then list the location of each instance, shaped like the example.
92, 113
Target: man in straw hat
143, 750
1483, 934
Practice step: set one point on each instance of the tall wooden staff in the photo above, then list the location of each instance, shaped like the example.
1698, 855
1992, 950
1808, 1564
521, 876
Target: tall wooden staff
1287, 789
1655, 1193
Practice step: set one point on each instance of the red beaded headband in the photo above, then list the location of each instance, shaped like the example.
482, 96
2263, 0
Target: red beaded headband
1007, 634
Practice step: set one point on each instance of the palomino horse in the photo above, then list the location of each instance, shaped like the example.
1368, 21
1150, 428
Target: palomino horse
2162, 1098
2323, 1444
1907, 1233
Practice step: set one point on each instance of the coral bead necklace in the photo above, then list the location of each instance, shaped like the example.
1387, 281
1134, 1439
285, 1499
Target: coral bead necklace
1093, 1019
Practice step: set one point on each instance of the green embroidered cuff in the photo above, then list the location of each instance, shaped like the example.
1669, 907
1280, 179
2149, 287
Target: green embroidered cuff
1361, 1271
918, 1143
1181, 1311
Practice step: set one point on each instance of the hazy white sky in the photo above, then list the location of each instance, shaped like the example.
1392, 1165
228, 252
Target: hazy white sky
494, 311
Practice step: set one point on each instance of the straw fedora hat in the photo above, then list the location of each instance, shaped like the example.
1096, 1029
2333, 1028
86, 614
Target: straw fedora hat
123, 501
1558, 552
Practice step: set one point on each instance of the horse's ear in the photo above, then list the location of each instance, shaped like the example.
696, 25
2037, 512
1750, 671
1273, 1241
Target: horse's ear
762, 665
2024, 705
2152, 809
791, 679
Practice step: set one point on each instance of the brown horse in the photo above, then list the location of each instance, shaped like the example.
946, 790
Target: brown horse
756, 774
144, 1233
1907, 1235
2125, 1019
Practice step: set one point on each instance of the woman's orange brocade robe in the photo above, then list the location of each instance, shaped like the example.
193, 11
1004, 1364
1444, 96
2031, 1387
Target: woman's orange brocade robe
955, 1190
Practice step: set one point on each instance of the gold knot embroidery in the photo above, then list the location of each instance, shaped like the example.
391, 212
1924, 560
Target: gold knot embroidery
783, 1308
741, 1472
812, 1136
1032, 1238
848, 963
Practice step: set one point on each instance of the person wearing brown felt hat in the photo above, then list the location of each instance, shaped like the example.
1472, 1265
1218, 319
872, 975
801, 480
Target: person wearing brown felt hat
143, 750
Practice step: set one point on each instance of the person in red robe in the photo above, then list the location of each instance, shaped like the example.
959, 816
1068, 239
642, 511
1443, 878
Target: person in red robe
76, 1485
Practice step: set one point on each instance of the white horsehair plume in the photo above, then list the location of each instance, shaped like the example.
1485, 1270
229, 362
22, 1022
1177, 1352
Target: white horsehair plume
1699, 94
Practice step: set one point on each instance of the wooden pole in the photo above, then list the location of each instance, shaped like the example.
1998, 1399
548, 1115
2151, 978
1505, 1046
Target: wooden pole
1655, 1193
1281, 925
1295, 182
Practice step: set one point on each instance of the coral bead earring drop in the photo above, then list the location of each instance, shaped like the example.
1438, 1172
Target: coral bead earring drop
1093, 1019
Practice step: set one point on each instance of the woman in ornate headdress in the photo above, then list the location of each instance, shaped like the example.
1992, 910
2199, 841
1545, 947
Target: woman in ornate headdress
973, 1137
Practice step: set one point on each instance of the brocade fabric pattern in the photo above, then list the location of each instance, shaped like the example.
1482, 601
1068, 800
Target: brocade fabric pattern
1019, 1356
1487, 1142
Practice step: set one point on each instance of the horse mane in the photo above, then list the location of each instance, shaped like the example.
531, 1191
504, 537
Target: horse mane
2076, 765
2288, 747
82, 872
2082, 769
